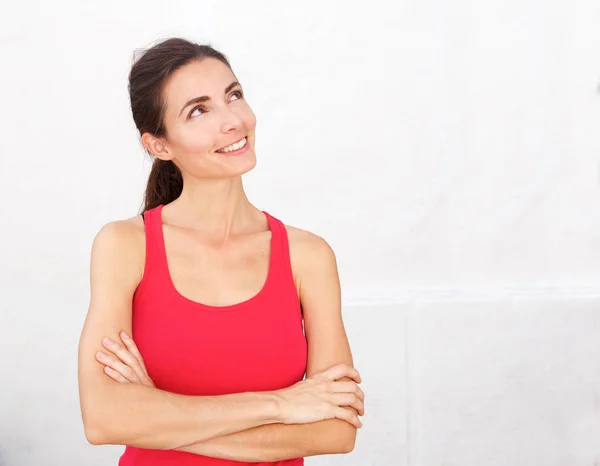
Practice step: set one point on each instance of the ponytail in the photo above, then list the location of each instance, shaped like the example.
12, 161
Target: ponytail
165, 184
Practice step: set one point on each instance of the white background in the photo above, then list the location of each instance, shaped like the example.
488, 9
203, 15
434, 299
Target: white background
448, 151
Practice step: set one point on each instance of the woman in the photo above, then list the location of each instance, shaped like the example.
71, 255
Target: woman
206, 312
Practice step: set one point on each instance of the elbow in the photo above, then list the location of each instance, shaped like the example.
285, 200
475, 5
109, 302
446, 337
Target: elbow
94, 434
345, 438
94, 428
349, 443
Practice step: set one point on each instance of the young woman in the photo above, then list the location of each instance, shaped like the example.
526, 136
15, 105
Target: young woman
206, 313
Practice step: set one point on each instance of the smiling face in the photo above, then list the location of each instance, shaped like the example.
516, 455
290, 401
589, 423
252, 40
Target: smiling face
206, 111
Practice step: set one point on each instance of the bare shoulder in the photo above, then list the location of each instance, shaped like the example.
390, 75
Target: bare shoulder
308, 251
123, 233
304, 239
121, 240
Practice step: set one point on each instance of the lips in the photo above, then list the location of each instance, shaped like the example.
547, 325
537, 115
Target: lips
231, 143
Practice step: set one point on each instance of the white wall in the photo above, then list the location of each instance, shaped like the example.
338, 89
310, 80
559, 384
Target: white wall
447, 150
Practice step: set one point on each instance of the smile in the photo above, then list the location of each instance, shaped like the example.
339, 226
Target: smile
235, 147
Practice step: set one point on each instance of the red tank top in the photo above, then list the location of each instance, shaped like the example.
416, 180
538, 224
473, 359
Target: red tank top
195, 349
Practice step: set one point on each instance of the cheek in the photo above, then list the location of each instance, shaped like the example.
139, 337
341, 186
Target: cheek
249, 119
194, 141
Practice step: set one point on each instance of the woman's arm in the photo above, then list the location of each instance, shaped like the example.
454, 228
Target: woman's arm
320, 296
131, 414
275, 442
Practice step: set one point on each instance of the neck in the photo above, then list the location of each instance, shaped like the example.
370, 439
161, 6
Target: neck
217, 207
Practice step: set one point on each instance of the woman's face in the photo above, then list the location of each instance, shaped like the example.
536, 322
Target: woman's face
206, 111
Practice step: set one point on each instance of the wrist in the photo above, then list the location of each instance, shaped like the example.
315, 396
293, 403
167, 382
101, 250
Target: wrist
275, 410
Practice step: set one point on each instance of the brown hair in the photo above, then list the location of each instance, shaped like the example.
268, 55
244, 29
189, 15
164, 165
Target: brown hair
147, 78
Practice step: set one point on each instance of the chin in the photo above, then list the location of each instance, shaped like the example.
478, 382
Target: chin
250, 166
241, 168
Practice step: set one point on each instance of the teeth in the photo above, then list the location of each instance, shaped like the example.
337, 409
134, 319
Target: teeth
232, 147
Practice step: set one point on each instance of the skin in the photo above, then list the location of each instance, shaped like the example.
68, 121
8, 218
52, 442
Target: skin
213, 223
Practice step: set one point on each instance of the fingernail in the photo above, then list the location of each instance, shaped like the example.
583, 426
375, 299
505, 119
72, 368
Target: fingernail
108, 341
100, 355
124, 335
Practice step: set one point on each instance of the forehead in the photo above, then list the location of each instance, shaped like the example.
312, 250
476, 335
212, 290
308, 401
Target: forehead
207, 77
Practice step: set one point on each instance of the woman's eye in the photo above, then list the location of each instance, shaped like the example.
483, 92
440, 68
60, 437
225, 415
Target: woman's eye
194, 109
240, 95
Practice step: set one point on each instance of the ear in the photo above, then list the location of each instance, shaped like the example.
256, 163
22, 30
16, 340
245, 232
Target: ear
156, 146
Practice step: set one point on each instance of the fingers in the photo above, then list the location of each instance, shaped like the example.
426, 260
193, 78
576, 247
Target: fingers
126, 357
133, 349
350, 394
348, 416
349, 399
129, 363
117, 365
360, 394
340, 370
115, 375
347, 386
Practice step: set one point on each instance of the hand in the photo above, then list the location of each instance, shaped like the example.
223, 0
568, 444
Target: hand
321, 397
124, 363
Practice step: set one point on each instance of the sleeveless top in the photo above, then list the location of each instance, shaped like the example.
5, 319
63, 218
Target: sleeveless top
196, 349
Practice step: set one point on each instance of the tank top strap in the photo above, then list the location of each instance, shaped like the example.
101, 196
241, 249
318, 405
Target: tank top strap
280, 249
153, 227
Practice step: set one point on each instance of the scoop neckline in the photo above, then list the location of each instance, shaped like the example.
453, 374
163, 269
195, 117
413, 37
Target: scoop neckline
209, 307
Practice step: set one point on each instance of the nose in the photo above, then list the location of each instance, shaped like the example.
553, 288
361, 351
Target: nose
230, 120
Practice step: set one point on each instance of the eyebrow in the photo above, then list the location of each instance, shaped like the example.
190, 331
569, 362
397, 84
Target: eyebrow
205, 98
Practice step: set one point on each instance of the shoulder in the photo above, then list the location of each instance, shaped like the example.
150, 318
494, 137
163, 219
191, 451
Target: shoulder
309, 252
120, 234
120, 244
308, 242
315, 272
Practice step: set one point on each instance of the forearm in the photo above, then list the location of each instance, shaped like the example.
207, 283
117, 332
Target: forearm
276, 442
146, 417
